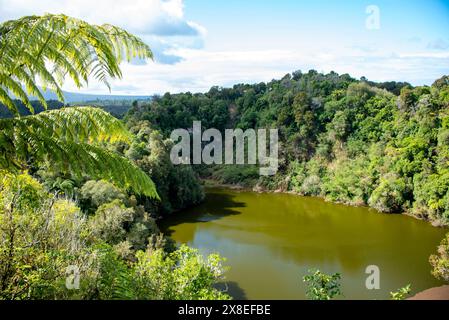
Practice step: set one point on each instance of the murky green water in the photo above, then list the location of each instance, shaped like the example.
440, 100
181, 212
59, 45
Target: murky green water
271, 240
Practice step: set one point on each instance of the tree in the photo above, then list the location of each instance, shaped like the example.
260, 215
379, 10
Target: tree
440, 261
181, 275
177, 186
68, 138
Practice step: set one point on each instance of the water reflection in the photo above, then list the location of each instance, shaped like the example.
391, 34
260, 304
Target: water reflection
270, 240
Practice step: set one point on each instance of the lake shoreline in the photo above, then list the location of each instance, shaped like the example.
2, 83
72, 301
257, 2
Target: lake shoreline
266, 232
210, 183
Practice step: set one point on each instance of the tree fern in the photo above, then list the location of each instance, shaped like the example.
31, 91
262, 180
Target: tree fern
71, 46
70, 138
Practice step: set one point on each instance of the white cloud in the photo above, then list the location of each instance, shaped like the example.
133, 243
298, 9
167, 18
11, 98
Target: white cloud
139, 16
201, 69
183, 64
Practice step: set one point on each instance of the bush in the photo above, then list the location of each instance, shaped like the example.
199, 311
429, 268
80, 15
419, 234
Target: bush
440, 261
42, 237
109, 222
402, 293
431, 195
321, 286
348, 181
311, 186
236, 174
181, 275
93, 194
390, 195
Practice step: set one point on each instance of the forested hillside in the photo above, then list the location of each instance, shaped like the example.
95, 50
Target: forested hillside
358, 142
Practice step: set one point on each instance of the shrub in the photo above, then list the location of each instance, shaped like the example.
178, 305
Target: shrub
311, 186
390, 195
402, 293
94, 193
42, 236
440, 261
108, 223
321, 286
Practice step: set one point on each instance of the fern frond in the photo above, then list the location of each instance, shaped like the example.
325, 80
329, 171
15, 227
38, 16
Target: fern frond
81, 124
8, 102
16, 89
73, 47
66, 138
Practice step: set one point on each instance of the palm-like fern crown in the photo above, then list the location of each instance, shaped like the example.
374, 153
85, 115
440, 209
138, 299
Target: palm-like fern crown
47, 49
73, 47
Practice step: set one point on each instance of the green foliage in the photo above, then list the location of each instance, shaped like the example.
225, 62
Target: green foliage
348, 181
96, 193
177, 186
108, 223
357, 142
69, 139
306, 178
181, 275
42, 235
440, 261
401, 294
244, 174
321, 286
432, 196
39, 237
389, 195
74, 47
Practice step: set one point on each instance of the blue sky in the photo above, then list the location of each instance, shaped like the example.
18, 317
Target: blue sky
249, 23
201, 43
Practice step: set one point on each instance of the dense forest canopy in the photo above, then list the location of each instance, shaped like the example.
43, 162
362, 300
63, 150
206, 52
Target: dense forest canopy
353, 141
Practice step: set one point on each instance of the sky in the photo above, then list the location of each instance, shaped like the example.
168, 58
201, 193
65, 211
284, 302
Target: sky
202, 43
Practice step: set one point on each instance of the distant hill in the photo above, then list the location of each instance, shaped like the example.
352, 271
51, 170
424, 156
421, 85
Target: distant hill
118, 108
71, 97
117, 105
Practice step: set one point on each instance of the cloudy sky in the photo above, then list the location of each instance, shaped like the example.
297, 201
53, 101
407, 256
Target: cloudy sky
201, 43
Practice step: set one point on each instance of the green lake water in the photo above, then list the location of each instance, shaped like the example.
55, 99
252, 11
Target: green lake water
271, 240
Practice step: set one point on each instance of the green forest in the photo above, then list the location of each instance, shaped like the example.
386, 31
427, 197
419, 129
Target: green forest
384, 145
79, 187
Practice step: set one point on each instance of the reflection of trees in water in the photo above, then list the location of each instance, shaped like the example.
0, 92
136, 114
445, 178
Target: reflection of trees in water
293, 234
216, 206
233, 289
